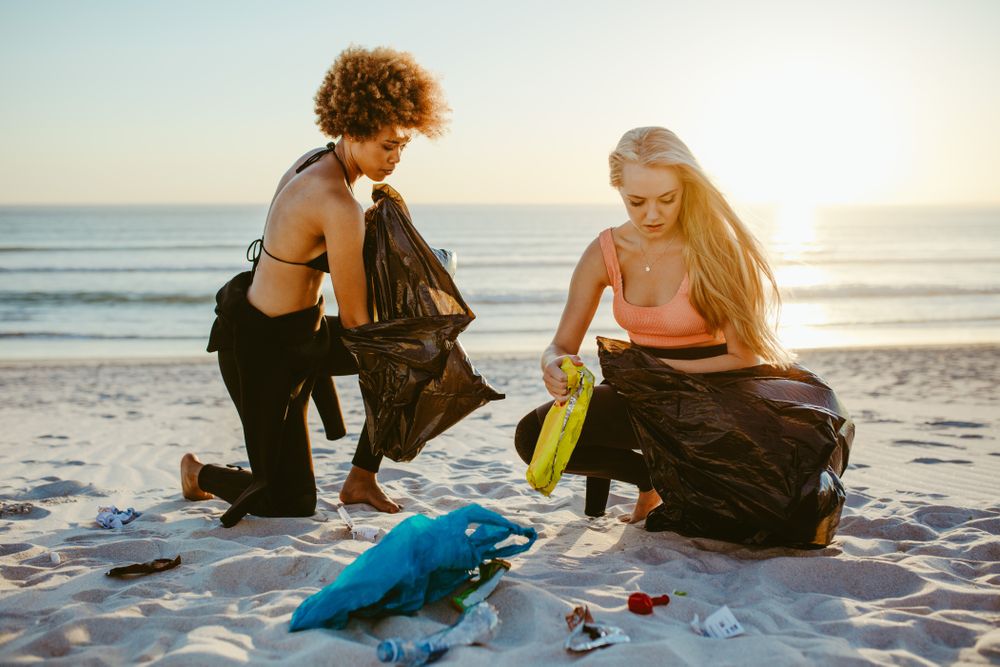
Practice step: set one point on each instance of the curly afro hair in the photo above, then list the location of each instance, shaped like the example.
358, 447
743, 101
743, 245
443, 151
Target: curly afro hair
366, 90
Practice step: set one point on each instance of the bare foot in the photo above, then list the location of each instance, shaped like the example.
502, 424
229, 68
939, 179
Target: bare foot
190, 467
362, 487
644, 504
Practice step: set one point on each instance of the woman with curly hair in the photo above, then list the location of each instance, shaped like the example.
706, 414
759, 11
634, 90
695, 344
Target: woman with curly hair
271, 334
690, 285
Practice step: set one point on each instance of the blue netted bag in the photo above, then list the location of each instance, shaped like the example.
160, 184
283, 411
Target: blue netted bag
421, 560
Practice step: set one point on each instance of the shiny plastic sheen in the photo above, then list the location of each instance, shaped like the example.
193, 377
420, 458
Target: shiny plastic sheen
415, 378
561, 430
752, 455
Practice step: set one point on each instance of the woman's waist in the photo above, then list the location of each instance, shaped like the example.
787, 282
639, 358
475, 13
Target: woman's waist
280, 298
685, 353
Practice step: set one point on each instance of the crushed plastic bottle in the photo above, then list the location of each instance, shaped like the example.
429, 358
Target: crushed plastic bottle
477, 625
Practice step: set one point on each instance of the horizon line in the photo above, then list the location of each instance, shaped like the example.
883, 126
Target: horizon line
863, 204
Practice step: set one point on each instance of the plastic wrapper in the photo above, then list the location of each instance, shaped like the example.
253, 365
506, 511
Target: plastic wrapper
415, 378
752, 455
561, 430
490, 575
421, 560
586, 634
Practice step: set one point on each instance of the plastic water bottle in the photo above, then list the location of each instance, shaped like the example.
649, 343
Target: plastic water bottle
476, 625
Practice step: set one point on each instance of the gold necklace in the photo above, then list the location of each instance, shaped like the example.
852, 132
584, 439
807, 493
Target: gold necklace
648, 264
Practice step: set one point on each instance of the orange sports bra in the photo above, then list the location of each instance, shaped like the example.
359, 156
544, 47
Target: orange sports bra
672, 324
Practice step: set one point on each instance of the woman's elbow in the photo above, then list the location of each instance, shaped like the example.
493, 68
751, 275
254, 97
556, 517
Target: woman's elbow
353, 320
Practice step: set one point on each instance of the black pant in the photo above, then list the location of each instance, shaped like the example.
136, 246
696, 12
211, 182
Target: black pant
606, 449
607, 446
270, 366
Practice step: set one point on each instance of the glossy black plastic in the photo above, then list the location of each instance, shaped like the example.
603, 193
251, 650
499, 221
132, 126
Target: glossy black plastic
415, 378
752, 455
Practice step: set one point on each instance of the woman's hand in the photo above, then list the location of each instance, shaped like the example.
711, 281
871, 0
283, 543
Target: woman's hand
555, 379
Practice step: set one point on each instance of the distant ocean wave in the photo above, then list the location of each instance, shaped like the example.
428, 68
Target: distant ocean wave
70, 298
125, 269
482, 298
62, 335
809, 293
862, 291
909, 321
121, 247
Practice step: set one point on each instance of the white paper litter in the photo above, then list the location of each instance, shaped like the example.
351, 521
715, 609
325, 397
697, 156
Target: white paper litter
720, 625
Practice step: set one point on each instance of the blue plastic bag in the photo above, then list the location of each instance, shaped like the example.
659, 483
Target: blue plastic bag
421, 560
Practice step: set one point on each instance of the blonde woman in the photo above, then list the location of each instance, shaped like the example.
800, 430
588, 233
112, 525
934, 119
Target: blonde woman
271, 334
691, 286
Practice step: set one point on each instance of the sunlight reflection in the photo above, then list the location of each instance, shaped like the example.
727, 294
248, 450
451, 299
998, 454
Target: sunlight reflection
793, 234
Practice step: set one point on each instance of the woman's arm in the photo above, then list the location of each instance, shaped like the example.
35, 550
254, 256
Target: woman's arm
738, 355
588, 282
344, 234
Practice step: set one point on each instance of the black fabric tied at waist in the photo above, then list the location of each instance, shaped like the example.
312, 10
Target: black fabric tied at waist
685, 353
302, 339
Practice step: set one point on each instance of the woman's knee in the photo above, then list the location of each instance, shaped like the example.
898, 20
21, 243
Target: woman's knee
526, 435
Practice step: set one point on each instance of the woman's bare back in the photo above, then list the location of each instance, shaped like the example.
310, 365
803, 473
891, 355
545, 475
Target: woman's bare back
294, 232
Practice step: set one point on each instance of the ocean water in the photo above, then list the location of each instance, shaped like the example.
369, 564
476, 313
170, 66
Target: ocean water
98, 282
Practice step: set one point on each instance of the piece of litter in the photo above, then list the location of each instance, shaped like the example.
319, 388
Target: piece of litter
112, 517
490, 574
153, 566
342, 511
680, 593
641, 603
15, 508
54, 558
721, 624
359, 532
367, 533
586, 634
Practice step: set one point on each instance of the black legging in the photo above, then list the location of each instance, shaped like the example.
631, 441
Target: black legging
291, 482
606, 449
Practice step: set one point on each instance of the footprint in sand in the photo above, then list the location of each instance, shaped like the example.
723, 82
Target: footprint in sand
933, 460
925, 443
947, 423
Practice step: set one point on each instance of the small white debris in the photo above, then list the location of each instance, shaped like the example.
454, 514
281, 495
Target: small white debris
719, 625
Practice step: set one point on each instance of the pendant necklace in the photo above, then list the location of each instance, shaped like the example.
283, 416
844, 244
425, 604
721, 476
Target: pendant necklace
647, 265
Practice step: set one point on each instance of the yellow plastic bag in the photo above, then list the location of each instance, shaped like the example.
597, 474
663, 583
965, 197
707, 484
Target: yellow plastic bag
561, 430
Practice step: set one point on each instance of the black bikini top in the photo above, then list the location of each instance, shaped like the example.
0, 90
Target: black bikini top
320, 262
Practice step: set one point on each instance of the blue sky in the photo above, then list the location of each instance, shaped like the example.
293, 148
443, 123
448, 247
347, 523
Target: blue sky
890, 102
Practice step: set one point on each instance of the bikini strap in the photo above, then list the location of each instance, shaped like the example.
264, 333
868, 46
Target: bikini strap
257, 245
316, 156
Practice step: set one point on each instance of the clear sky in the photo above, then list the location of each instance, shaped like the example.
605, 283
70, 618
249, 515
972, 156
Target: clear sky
188, 101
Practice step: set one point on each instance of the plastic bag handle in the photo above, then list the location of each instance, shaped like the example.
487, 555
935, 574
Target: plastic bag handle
479, 515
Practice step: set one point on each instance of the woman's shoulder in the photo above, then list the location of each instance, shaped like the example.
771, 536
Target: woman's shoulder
316, 192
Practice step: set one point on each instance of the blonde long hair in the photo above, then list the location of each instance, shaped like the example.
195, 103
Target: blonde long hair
729, 276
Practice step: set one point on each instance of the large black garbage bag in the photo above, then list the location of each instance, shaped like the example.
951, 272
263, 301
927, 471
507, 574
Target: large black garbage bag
752, 455
415, 378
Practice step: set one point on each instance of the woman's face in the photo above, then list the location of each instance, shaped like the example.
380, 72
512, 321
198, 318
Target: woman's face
652, 197
378, 157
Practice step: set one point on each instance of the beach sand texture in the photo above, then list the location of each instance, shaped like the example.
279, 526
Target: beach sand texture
913, 577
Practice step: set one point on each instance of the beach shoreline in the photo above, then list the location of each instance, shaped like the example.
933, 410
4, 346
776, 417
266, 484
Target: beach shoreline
912, 577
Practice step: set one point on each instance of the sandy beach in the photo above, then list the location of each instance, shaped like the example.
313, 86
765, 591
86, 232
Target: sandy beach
913, 577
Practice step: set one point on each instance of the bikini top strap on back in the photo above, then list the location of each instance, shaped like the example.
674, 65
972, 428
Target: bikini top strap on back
312, 159
257, 245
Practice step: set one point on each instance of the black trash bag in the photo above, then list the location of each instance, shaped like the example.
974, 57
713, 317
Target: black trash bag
415, 378
752, 455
